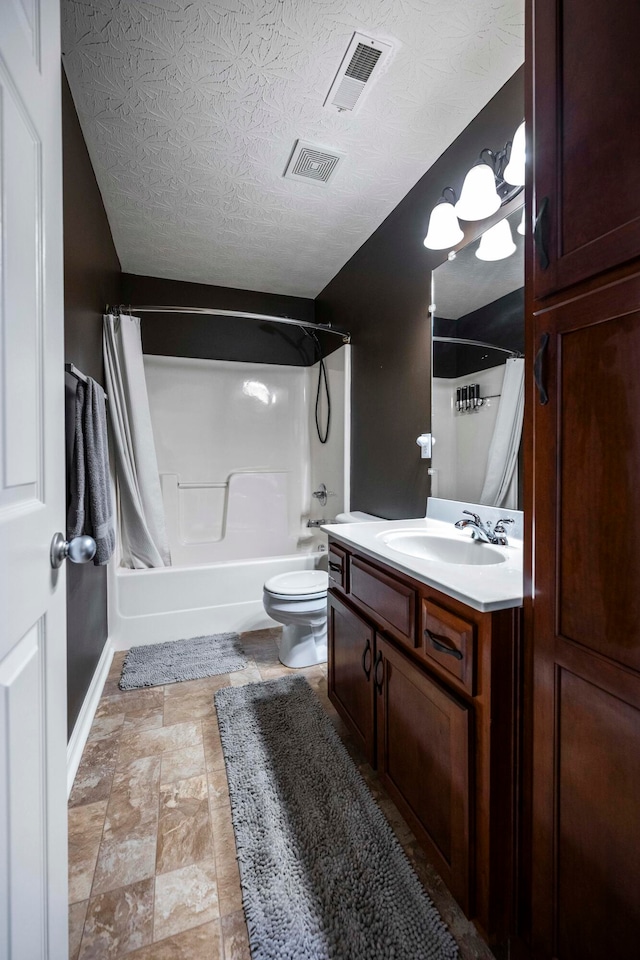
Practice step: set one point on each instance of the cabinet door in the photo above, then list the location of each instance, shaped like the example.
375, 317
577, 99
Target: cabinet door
586, 644
423, 743
586, 136
351, 650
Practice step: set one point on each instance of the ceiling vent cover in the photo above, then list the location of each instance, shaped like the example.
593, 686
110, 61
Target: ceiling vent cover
364, 56
312, 163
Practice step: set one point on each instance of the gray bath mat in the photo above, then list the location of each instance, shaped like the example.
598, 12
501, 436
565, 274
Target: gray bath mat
175, 660
323, 876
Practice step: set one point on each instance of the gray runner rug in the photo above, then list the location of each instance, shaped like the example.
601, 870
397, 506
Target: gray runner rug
176, 660
323, 876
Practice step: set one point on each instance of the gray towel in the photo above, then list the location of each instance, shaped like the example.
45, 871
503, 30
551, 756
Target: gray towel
90, 507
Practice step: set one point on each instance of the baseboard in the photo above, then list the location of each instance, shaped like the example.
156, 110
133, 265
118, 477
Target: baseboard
80, 732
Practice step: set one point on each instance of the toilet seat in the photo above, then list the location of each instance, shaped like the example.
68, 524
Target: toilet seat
298, 585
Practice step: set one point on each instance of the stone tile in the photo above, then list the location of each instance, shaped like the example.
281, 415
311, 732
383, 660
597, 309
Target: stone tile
104, 726
218, 787
85, 832
196, 707
185, 898
183, 764
125, 860
77, 913
134, 798
229, 892
147, 743
184, 830
242, 677
235, 937
200, 943
213, 755
271, 671
194, 688
95, 773
150, 720
133, 703
115, 669
118, 922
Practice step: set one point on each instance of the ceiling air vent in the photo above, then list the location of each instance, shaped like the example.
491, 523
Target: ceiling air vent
363, 57
312, 163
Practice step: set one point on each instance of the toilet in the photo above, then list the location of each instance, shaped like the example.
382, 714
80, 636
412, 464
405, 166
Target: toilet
298, 600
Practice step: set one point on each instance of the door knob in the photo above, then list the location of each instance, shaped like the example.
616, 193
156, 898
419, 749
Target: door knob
78, 550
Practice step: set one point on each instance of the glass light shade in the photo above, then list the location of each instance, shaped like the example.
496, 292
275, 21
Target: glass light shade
497, 243
522, 226
444, 230
479, 197
514, 170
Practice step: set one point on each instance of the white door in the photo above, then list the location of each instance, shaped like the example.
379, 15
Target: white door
33, 837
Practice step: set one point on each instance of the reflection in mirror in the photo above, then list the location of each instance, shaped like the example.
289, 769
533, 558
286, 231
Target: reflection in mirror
477, 399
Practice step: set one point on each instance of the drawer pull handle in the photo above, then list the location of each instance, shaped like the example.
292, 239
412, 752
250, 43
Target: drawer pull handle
367, 650
378, 681
437, 644
335, 566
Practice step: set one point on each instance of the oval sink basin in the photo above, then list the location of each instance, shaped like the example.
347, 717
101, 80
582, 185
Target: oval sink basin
426, 546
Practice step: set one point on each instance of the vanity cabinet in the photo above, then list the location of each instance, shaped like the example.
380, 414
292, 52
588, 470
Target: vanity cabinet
429, 687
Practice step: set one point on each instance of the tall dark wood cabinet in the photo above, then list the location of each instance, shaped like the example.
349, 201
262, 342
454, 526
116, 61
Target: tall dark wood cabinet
584, 622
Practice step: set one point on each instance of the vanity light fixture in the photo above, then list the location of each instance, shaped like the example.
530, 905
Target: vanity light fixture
444, 230
514, 170
493, 180
522, 226
497, 243
479, 198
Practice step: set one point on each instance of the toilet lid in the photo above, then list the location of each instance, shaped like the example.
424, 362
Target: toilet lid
298, 583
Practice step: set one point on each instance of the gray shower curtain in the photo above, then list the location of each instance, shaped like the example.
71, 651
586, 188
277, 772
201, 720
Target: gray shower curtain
498, 489
143, 534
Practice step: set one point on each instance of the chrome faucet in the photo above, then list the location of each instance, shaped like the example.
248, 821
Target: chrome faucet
483, 531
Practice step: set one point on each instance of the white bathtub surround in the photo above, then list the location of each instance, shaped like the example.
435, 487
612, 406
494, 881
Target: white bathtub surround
239, 456
330, 460
172, 603
143, 538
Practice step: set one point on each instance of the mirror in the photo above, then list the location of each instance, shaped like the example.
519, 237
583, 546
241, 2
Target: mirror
477, 375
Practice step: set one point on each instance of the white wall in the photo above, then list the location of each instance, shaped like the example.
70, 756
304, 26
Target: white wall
461, 449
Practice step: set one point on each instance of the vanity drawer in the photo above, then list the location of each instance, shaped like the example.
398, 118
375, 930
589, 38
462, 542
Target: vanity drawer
391, 602
338, 568
449, 641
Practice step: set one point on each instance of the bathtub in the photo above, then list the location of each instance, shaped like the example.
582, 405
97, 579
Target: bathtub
169, 603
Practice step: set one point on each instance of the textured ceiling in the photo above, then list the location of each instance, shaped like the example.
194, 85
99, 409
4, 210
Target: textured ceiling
190, 109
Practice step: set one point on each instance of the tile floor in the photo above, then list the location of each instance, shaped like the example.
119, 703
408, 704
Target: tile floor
152, 861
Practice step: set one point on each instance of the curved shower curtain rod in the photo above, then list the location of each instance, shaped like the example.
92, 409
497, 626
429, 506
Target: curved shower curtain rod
477, 343
211, 312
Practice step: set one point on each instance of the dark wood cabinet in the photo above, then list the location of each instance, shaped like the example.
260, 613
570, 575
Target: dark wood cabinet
442, 700
582, 511
351, 657
424, 753
585, 106
586, 640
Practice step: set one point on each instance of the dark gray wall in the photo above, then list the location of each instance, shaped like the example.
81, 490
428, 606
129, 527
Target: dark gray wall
91, 279
382, 296
214, 338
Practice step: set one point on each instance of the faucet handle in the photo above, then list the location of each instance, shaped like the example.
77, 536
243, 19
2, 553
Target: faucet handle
474, 515
499, 527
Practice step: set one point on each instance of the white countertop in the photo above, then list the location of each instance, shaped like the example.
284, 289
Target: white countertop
488, 587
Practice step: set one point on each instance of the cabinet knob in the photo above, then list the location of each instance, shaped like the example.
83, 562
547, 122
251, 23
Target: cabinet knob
378, 680
367, 650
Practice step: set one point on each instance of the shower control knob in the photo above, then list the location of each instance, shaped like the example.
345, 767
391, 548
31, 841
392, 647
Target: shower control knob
78, 550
